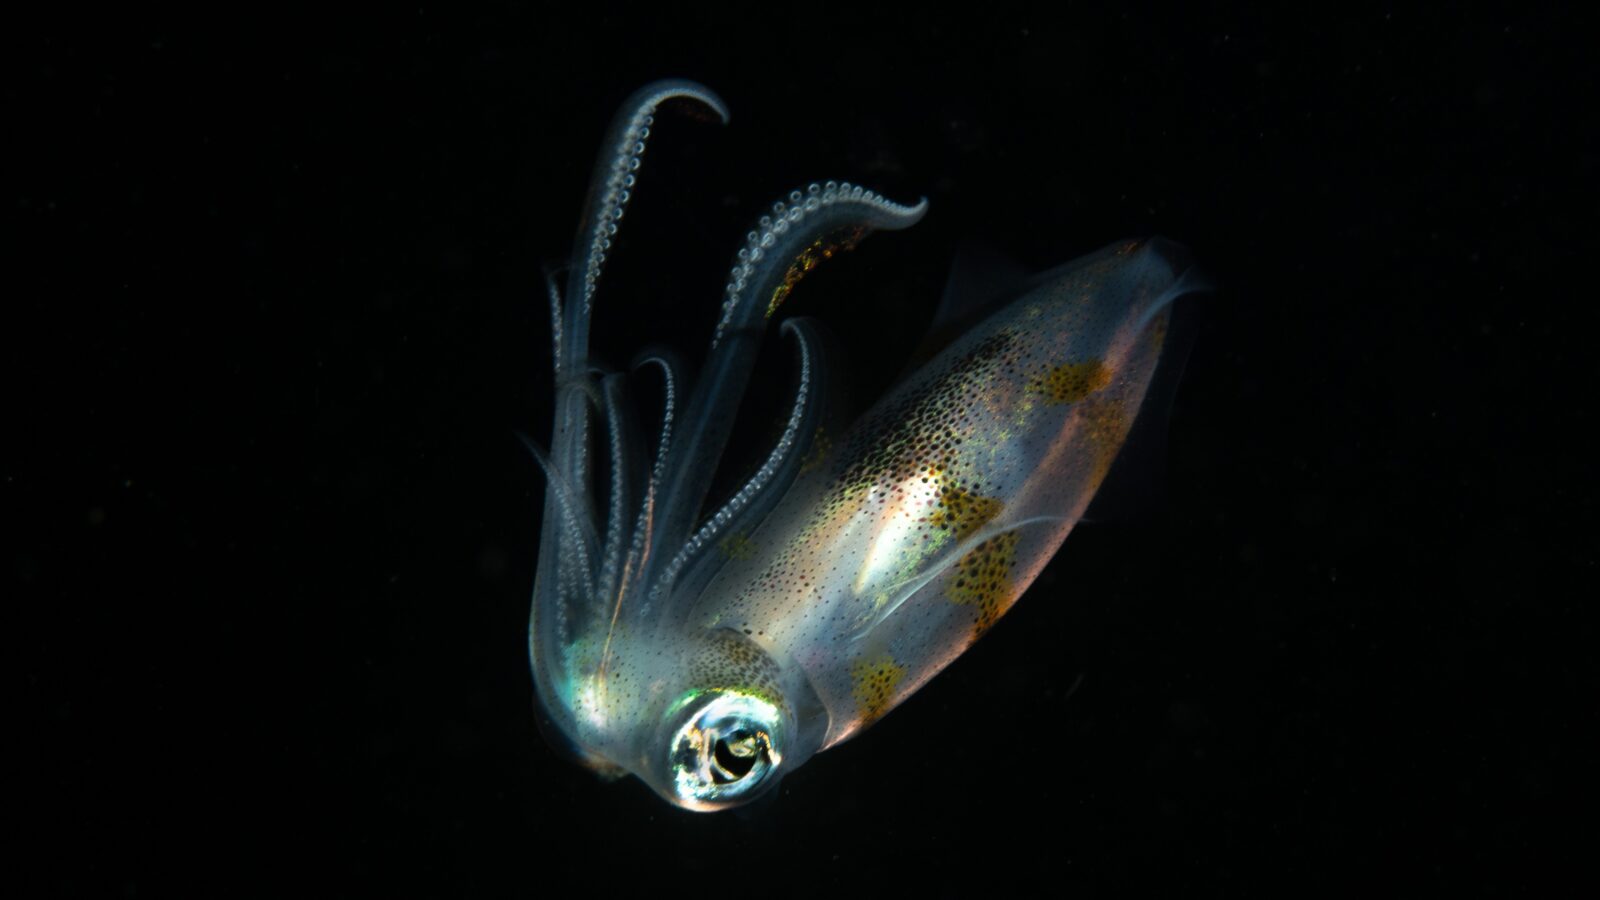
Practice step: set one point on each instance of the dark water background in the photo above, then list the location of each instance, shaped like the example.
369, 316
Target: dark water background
277, 312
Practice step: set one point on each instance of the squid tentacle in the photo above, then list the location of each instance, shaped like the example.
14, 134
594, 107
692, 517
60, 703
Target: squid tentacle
776, 242
621, 480
609, 192
576, 528
553, 293
803, 412
644, 521
782, 247
621, 154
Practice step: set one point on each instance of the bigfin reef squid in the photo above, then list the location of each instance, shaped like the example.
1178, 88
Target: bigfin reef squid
708, 651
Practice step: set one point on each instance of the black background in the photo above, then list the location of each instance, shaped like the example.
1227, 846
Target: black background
278, 313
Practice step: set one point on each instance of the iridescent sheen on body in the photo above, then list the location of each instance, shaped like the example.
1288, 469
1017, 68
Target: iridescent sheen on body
708, 651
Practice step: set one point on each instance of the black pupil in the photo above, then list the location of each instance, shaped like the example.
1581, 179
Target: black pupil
735, 756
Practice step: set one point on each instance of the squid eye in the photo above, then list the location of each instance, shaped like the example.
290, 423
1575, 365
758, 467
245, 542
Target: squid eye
736, 755
725, 750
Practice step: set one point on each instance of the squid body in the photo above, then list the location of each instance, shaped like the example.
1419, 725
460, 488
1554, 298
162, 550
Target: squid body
708, 650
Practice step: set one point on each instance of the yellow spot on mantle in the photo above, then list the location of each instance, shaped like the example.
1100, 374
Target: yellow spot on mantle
875, 682
983, 580
1071, 382
1105, 425
963, 512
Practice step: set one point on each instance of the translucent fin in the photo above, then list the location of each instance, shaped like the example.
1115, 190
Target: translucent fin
1135, 487
981, 280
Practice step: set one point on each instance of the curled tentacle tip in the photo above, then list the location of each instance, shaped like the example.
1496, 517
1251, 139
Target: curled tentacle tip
718, 107
693, 90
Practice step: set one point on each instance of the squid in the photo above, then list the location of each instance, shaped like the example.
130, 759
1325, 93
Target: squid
708, 649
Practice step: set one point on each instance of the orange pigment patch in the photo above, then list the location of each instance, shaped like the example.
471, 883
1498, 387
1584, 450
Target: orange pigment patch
1105, 426
809, 258
1156, 334
983, 580
875, 682
963, 512
1071, 382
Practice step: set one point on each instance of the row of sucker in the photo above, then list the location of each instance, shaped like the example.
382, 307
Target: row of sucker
616, 423
805, 396
770, 228
642, 523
